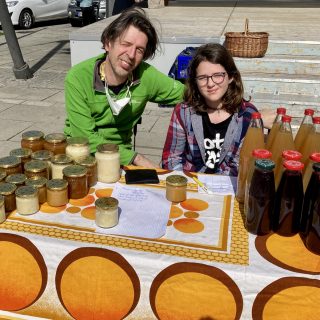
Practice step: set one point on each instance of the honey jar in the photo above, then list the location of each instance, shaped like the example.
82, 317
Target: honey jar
40, 184
27, 200
32, 140
8, 191
18, 179
57, 192
108, 162
56, 143
3, 216
90, 163
58, 163
107, 212
11, 165
37, 168
77, 181
23, 153
77, 148
176, 188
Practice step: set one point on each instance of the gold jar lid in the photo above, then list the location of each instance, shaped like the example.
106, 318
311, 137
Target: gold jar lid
9, 162
44, 155
35, 166
37, 181
26, 191
3, 175
107, 203
78, 141
74, 171
21, 152
33, 135
57, 184
176, 180
1, 200
108, 148
55, 137
7, 188
88, 161
17, 178
61, 159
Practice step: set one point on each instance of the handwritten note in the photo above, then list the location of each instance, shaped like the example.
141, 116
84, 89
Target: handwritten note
218, 184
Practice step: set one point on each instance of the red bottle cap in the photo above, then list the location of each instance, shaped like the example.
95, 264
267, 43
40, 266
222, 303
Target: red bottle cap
315, 156
281, 110
261, 153
286, 118
309, 112
256, 115
291, 155
293, 165
316, 120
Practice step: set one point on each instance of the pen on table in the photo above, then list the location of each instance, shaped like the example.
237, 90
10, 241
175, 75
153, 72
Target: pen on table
199, 183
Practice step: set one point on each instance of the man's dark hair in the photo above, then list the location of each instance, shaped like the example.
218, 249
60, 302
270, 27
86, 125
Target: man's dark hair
132, 17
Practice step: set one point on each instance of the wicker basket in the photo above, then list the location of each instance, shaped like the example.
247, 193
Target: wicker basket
247, 44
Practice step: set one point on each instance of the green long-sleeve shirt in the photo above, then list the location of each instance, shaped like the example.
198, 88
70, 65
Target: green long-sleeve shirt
88, 111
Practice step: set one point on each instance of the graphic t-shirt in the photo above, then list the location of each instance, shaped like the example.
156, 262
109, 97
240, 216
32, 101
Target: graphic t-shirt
214, 135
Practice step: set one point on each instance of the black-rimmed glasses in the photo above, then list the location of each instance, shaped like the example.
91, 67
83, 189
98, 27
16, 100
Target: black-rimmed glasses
216, 78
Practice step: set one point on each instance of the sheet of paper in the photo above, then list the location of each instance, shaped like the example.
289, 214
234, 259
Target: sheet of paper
142, 212
218, 184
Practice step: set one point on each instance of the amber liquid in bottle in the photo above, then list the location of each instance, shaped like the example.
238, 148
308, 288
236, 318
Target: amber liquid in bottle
304, 129
275, 127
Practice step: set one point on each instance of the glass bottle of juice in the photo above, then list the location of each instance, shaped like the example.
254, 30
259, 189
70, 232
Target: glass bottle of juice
256, 155
289, 199
254, 139
312, 144
275, 127
261, 198
284, 141
304, 129
286, 155
314, 157
309, 199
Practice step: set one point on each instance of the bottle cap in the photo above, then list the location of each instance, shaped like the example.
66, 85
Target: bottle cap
265, 164
281, 110
309, 112
291, 155
293, 165
256, 115
261, 153
315, 156
286, 118
316, 120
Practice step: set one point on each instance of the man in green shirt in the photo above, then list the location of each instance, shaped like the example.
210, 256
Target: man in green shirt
106, 95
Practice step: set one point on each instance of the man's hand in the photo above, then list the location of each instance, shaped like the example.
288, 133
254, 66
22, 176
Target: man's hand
142, 161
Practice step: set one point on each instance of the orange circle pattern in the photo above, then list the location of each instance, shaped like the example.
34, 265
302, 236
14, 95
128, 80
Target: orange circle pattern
187, 225
194, 205
89, 213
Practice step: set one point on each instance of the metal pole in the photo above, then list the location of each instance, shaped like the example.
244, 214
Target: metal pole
20, 68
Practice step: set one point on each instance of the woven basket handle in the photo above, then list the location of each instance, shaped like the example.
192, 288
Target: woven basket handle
246, 27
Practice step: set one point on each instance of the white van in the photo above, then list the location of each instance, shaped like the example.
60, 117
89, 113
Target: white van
25, 13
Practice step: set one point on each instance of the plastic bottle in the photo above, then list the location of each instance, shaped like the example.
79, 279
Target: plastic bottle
304, 129
314, 157
261, 198
275, 127
254, 139
289, 199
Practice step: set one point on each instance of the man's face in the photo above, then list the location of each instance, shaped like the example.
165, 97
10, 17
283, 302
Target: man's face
125, 54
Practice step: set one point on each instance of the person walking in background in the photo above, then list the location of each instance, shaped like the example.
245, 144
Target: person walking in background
121, 5
207, 129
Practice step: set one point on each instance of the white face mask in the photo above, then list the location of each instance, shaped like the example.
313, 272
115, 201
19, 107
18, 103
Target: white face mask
118, 105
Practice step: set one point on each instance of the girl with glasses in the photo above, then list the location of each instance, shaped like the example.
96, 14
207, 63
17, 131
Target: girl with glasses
207, 129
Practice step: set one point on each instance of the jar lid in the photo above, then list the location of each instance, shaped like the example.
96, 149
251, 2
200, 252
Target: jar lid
309, 112
265, 164
55, 137
88, 161
78, 141
36, 181
35, 166
26, 191
107, 203
261, 153
1, 200
74, 171
315, 156
42, 155
293, 165
7, 188
316, 166
61, 159
108, 148
16, 178
281, 110
291, 155
176, 180
21, 152
32, 135
9, 162
3, 174
57, 184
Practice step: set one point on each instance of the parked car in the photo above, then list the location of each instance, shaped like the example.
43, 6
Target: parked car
26, 12
75, 12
